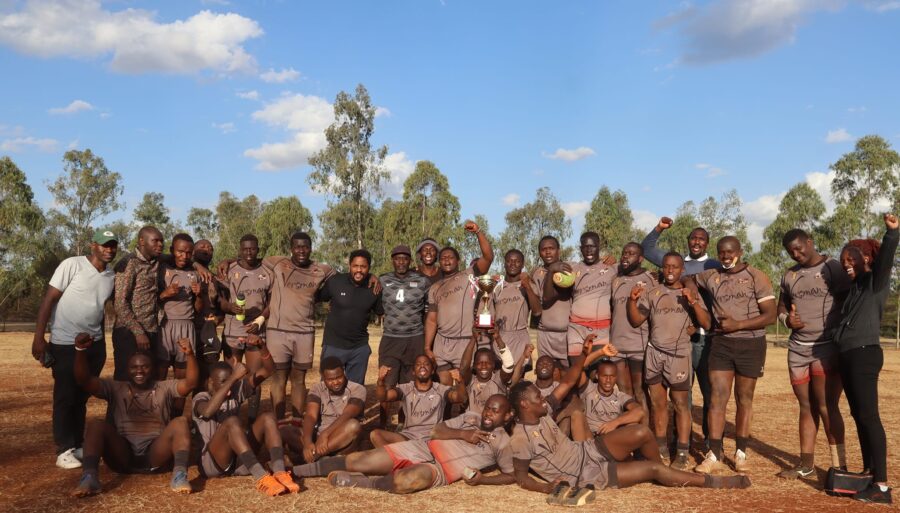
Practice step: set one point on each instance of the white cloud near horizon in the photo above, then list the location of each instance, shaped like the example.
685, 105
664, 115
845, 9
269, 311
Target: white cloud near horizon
582, 152
73, 108
838, 136
133, 39
280, 77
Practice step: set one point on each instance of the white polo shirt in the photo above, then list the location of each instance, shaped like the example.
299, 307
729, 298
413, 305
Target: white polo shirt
80, 309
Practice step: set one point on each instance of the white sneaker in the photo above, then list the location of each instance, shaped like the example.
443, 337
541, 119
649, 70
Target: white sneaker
79, 453
740, 461
68, 460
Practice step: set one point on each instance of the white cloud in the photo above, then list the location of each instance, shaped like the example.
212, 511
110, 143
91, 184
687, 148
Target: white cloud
645, 220
838, 136
248, 95
225, 128
821, 183
857, 110
280, 77
19, 144
382, 111
575, 209
305, 118
582, 152
73, 144
511, 199
72, 108
711, 170
882, 5
133, 38
763, 209
399, 167
723, 30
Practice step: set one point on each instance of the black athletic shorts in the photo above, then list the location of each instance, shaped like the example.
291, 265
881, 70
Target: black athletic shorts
744, 356
400, 353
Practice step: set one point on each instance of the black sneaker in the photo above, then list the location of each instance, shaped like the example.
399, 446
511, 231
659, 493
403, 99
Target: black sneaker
874, 494
798, 472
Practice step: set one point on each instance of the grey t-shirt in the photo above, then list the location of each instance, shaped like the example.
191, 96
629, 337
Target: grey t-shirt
80, 309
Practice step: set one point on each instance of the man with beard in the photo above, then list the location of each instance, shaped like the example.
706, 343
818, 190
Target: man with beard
137, 324
458, 449
696, 261
403, 297
143, 433
346, 328
743, 305
423, 401
512, 300
73, 304
630, 341
451, 306
812, 294
674, 311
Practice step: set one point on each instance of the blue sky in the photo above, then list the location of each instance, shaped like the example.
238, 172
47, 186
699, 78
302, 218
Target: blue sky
668, 101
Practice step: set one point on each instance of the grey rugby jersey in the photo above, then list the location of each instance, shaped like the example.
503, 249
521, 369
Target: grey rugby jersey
404, 302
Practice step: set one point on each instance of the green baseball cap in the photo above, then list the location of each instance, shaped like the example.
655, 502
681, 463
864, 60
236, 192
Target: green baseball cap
104, 235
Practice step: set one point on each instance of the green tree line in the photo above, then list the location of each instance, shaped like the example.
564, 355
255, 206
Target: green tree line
350, 172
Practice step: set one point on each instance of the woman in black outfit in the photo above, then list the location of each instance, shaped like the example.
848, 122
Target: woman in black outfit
861, 357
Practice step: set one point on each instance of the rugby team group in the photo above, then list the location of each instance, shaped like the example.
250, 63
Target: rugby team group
616, 343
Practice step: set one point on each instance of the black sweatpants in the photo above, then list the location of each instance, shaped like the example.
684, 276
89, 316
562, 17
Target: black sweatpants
69, 400
859, 372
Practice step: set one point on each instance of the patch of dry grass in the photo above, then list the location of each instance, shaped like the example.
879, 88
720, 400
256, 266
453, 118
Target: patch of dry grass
31, 482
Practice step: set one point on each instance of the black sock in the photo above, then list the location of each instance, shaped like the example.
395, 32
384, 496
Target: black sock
680, 447
248, 459
384, 483
180, 460
742, 443
90, 465
662, 442
276, 458
807, 460
715, 445
322, 467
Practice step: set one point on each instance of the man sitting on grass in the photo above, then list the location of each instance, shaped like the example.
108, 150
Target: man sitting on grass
141, 436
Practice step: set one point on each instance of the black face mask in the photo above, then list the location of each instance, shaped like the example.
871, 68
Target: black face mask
202, 258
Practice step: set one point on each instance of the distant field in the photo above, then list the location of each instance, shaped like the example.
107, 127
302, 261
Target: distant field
31, 481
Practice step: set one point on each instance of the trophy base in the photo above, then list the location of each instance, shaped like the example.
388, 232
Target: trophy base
485, 322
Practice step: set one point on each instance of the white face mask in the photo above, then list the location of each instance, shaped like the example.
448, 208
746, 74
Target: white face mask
734, 263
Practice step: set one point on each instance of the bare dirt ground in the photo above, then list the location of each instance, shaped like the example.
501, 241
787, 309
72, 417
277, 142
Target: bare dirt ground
31, 482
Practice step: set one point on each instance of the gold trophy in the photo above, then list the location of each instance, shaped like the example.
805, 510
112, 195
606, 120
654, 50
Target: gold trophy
486, 283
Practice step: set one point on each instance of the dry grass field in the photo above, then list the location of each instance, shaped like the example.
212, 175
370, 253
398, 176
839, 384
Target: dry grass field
31, 482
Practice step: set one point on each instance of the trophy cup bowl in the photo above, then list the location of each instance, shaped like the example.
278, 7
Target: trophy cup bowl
486, 283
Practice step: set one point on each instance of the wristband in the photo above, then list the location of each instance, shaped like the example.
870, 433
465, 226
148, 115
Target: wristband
259, 321
783, 318
80, 348
506, 358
